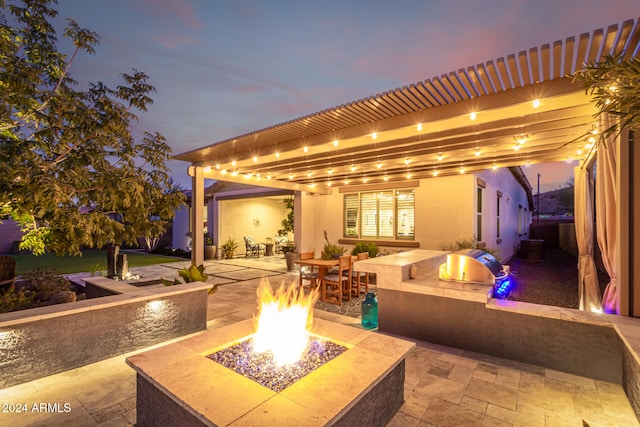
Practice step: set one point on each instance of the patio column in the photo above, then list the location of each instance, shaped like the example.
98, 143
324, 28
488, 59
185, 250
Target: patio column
304, 225
197, 215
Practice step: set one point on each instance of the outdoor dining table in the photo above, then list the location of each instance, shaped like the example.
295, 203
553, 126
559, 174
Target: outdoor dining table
323, 266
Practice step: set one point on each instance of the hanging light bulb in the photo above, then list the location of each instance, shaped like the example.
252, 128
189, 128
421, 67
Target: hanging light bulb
419, 127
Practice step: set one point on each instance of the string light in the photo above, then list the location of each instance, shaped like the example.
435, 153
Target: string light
255, 159
419, 127
335, 143
374, 135
440, 157
305, 149
218, 166
233, 163
473, 115
277, 154
536, 103
207, 169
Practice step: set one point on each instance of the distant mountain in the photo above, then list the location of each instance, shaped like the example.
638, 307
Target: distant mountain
556, 203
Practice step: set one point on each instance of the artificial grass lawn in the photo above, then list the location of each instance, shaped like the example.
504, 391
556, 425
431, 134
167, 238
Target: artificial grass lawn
91, 260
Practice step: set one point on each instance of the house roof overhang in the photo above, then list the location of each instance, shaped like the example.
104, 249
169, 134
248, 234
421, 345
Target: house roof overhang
518, 110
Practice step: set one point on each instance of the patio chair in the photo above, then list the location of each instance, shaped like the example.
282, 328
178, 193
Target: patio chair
308, 272
336, 286
7, 271
359, 278
280, 241
252, 248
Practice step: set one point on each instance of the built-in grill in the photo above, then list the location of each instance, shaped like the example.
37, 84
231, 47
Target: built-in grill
477, 266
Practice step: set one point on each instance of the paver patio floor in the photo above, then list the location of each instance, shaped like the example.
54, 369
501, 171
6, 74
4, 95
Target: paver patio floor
443, 386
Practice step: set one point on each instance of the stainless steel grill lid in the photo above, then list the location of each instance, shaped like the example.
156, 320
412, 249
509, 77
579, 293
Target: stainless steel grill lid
472, 265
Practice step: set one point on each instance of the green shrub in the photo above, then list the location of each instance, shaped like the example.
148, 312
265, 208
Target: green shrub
45, 283
10, 300
369, 247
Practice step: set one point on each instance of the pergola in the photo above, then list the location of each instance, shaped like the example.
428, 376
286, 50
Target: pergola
519, 110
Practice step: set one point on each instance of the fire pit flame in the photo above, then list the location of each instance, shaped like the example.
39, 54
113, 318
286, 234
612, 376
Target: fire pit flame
283, 322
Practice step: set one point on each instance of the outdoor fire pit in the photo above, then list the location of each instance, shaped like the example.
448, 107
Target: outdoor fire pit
361, 383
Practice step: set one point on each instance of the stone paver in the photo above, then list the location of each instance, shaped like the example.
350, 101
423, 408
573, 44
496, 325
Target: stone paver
443, 386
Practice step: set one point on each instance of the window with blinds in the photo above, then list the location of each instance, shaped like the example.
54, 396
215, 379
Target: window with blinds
350, 223
380, 214
405, 205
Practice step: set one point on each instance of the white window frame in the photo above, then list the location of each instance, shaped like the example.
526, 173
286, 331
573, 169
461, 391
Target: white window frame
353, 222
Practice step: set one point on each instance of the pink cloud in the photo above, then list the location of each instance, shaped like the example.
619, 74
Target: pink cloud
173, 41
182, 11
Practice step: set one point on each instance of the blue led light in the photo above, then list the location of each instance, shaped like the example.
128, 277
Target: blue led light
502, 290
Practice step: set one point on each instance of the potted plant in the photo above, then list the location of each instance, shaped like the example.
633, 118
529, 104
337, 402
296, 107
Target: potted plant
229, 248
331, 250
209, 247
292, 256
287, 222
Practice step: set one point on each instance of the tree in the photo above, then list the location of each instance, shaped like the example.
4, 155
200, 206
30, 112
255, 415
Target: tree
71, 173
614, 84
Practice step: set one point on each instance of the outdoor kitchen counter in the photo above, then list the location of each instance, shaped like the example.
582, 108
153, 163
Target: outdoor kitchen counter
461, 315
393, 273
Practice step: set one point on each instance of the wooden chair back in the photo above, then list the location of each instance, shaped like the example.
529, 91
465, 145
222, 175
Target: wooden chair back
7, 270
307, 255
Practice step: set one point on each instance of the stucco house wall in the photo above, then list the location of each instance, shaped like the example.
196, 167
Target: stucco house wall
514, 203
180, 230
238, 215
445, 211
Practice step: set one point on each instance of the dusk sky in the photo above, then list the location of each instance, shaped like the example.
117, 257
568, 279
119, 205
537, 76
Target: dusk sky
225, 68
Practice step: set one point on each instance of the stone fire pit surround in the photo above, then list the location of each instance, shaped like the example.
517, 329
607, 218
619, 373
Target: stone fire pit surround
178, 385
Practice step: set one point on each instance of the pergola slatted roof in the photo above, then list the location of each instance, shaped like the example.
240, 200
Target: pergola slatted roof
430, 122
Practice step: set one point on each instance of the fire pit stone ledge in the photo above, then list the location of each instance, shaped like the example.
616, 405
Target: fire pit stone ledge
178, 385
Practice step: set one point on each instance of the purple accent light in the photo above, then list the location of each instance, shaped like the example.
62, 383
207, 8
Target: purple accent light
502, 289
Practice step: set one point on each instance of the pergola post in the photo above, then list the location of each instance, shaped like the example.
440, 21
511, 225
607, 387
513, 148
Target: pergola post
197, 214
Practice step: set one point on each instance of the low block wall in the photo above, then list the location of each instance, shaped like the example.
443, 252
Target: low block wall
46, 340
589, 350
